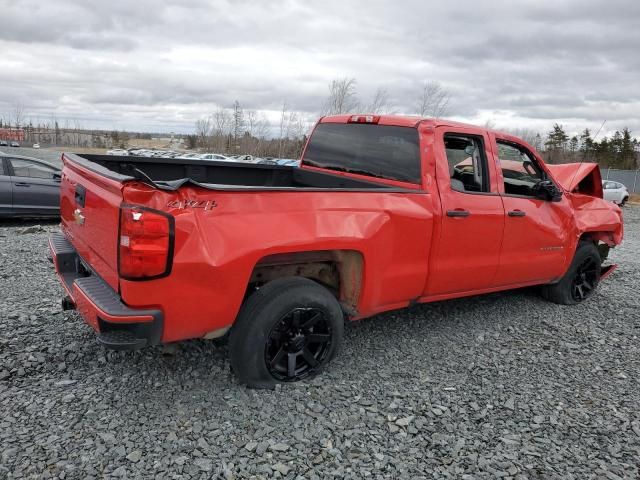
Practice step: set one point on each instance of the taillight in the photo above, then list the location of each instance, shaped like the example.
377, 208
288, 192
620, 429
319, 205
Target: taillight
145, 243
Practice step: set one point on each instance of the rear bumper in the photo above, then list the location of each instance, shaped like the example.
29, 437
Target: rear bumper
117, 325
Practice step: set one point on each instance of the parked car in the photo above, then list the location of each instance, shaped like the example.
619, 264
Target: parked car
267, 161
153, 252
118, 152
215, 156
615, 192
15, 144
287, 162
28, 187
189, 156
4, 143
36, 145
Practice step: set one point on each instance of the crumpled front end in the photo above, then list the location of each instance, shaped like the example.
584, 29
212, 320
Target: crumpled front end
582, 183
602, 218
595, 217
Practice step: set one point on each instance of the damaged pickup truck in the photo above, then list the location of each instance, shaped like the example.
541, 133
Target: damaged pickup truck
385, 212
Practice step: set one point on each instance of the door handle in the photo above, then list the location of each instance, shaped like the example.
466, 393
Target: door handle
458, 213
517, 213
21, 184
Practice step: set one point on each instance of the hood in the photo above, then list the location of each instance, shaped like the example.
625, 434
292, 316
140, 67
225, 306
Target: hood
582, 178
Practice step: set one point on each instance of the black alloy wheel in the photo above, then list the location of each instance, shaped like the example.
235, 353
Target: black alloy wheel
298, 344
585, 279
287, 330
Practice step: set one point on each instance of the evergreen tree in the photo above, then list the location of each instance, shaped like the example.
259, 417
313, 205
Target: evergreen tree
573, 144
627, 151
556, 143
586, 144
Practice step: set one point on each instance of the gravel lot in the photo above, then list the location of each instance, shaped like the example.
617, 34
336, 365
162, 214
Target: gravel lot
505, 385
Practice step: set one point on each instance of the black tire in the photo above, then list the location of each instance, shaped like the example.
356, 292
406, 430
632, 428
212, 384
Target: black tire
581, 278
287, 331
624, 201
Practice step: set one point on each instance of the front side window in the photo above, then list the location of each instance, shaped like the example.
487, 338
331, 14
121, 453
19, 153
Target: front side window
26, 168
383, 151
467, 163
519, 170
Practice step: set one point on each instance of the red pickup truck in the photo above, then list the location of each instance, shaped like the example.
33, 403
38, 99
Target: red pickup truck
384, 212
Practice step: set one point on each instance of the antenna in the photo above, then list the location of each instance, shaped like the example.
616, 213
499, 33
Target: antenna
596, 135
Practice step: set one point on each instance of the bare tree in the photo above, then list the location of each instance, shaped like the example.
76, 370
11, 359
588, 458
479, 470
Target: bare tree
527, 134
222, 124
18, 114
434, 100
283, 127
379, 102
342, 97
251, 118
203, 131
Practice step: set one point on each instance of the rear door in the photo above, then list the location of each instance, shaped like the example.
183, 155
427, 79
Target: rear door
36, 187
536, 231
467, 252
5, 189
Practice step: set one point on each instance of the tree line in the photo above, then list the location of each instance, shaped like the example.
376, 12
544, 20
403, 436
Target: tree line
236, 130
620, 150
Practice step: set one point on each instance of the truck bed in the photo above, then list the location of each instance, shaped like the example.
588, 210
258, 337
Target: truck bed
170, 174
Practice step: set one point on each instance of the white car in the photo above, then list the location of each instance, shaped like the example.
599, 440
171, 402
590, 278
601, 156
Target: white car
116, 151
36, 145
215, 156
615, 192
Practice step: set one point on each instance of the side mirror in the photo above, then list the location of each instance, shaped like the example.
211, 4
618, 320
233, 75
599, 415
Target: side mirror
546, 190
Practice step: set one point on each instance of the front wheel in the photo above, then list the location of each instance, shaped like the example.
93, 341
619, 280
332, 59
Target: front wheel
581, 278
624, 201
286, 331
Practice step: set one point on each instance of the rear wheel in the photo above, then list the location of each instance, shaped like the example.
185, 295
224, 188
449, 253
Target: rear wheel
581, 278
287, 331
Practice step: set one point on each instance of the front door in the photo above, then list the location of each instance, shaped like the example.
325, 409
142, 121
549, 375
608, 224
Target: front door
536, 230
467, 252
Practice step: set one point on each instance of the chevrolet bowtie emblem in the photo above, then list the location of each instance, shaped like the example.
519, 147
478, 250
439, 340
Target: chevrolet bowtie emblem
77, 214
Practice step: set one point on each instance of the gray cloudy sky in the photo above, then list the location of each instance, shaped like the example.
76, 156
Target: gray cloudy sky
154, 65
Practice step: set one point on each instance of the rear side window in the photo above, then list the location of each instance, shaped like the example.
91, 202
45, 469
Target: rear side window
467, 163
383, 151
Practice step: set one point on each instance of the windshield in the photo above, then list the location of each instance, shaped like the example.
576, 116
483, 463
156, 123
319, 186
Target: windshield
383, 151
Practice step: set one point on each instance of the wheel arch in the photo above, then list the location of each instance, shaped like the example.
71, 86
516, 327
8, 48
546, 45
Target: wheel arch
341, 271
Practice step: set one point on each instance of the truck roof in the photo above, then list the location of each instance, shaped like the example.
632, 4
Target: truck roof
414, 120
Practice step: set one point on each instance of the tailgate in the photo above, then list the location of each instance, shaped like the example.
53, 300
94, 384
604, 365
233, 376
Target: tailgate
89, 210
